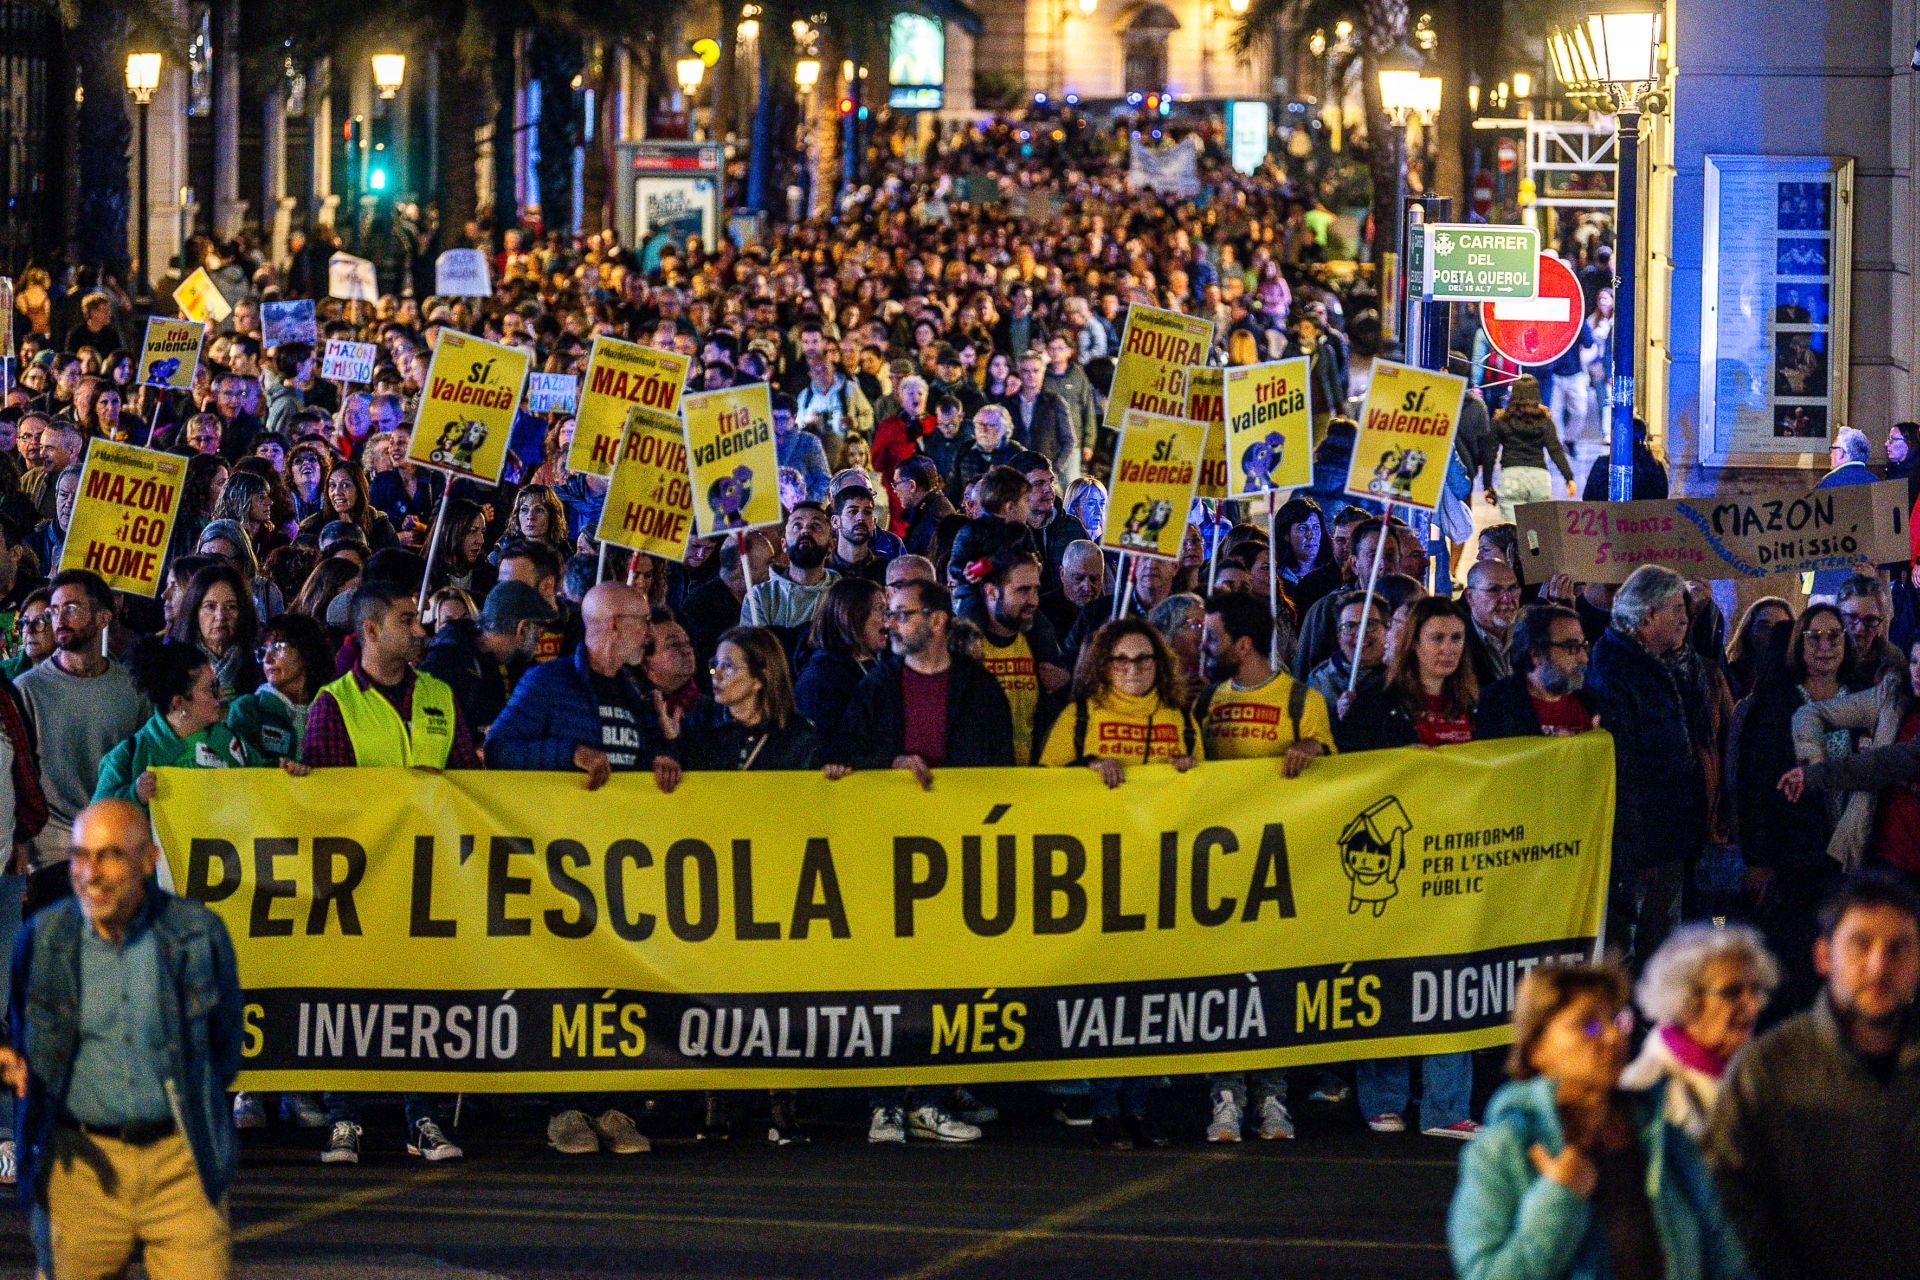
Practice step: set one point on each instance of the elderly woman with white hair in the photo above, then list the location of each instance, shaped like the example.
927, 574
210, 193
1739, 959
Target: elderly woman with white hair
1704, 990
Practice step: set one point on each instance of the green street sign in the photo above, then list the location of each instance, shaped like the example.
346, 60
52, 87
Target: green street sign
1472, 262
1417, 263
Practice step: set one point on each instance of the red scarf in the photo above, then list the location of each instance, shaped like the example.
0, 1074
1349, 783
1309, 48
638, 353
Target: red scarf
1692, 1054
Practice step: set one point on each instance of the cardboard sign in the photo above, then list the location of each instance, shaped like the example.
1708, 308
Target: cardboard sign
650, 499
170, 352
351, 279
1717, 537
200, 299
1156, 349
462, 273
349, 361
284, 322
1406, 435
1206, 403
1269, 428
551, 392
123, 515
1155, 470
466, 412
620, 375
735, 471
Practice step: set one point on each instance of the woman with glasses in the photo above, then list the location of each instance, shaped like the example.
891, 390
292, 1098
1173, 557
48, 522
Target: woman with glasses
296, 658
34, 633
1577, 1177
1704, 990
217, 617
1127, 710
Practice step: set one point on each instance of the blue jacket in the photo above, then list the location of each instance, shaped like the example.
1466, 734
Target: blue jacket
200, 1009
1510, 1223
552, 711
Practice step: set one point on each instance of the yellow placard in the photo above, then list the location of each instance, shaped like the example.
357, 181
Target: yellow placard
1406, 435
467, 411
170, 352
735, 469
649, 503
1155, 469
1205, 403
515, 932
620, 376
1269, 428
200, 299
1156, 349
123, 515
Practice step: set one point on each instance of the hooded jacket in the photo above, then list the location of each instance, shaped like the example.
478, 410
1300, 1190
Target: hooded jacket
156, 746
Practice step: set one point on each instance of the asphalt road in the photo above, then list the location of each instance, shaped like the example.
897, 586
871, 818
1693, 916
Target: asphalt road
1030, 1199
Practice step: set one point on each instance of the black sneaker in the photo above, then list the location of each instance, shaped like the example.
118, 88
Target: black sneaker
1110, 1135
343, 1144
784, 1129
1141, 1132
717, 1125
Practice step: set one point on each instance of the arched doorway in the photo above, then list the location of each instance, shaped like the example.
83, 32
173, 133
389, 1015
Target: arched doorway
1144, 35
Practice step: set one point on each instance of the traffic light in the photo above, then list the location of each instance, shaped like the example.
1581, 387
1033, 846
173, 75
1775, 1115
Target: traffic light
846, 106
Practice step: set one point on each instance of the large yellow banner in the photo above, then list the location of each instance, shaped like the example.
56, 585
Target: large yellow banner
736, 471
1406, 435
620, 376
123, 515
519, 933
1156, 348
649, 503
1269, 428
467, 409
1155, 468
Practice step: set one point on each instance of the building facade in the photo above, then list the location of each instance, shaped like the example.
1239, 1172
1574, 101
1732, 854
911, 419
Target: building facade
1109, 48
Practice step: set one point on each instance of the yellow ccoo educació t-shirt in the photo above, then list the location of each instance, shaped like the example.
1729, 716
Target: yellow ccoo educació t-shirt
1248, 724
1013, 665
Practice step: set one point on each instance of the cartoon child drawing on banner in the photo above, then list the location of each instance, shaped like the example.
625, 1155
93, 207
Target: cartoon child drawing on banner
1373, 853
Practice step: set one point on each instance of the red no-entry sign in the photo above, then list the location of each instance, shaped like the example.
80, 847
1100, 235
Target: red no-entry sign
1538, 330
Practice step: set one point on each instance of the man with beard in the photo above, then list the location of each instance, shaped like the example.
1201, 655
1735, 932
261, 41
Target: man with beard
1253, 711
920, 501
1812, 1135
1053, 528
1546, 696
791, 600
933, 709
1493, 601
854, 554
1023, 657
80, 705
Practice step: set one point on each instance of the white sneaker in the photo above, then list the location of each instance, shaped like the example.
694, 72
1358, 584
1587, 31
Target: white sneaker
248, 1113
343, 1145
886, 1126
932, 1122
1227, 1118
1459, 1130
9, 1163
1275, 1123
571, 1133
1387, 1122
426, 1140
621, 1136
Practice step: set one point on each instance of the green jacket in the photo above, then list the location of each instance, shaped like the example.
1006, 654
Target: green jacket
156, 746
268, 723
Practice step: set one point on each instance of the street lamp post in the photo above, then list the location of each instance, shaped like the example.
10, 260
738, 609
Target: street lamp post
143, 77
690, 71
1613, 48
806, 74
1402, 95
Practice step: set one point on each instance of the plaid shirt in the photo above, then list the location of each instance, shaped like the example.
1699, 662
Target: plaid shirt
328, 744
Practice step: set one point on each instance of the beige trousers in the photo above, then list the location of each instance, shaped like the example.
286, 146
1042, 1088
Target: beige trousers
111, 1202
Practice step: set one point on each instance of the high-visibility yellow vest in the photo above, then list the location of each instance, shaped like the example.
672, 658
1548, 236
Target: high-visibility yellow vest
378, 736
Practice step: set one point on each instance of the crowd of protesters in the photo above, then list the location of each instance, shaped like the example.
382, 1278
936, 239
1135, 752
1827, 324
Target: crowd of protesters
936, 597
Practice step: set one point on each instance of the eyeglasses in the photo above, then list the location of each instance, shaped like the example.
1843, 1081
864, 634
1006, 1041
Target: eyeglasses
1862, 621
1508, 592
901, 615
1353, 628
1737, 990
39, 622
1140, 663
1825, 638
273, 649
72, 609
1569, 646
